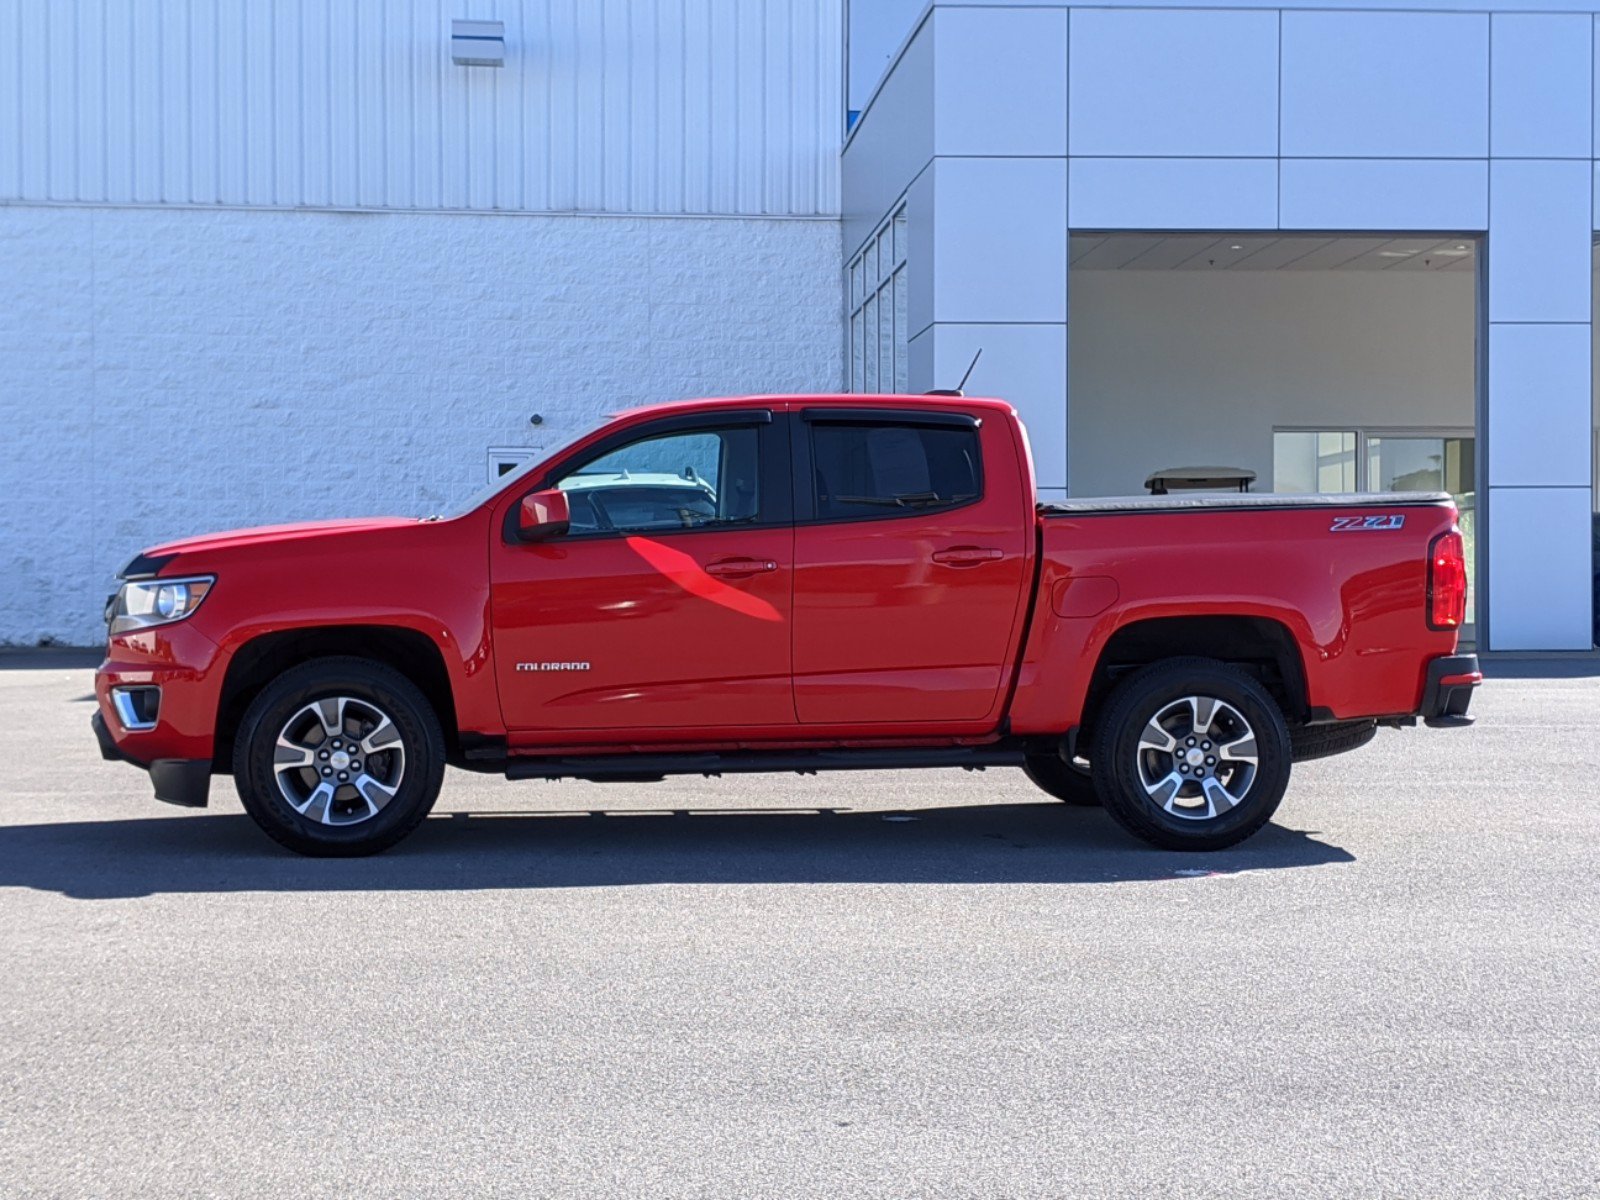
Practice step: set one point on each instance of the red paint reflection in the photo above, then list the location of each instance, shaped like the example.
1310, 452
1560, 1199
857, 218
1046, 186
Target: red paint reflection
688, 574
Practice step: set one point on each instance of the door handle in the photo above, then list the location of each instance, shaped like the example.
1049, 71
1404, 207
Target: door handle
736, 567
967, 556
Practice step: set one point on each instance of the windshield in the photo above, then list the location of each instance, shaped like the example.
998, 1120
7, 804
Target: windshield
484, 495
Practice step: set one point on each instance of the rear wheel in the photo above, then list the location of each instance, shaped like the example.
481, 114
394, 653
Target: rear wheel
1192, 754
1067, 782
339, 757
1324, 741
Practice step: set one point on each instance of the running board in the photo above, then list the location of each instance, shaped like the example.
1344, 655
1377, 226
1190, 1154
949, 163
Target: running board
622, 768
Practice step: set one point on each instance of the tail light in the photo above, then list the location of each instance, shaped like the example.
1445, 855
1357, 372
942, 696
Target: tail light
1447, 582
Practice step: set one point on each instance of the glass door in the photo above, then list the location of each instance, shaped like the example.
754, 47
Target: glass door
1425, 463
1379, 460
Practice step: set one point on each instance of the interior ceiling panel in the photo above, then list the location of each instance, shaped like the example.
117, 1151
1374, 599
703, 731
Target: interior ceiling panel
1115, 253
1171, 252
1269, 252
1437, 256
1226, 253
1080, 246
1280, 252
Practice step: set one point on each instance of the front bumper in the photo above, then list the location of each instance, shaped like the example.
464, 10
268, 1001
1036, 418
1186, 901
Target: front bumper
182, 781
1448, 691
176, 749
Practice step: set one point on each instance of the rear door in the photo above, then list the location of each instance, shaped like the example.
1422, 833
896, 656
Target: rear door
911, 550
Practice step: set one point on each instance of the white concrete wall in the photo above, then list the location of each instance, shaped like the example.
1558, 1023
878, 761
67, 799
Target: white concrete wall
1395, 117
174, 372
1176, 368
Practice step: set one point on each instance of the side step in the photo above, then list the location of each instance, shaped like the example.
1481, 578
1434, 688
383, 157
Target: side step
622, 768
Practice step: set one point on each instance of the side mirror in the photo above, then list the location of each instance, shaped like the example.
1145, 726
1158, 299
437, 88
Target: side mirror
543, 515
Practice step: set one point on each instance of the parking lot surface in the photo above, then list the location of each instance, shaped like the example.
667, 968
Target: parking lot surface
896, 984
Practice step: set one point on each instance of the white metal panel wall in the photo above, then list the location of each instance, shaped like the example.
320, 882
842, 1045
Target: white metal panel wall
639, 106
1250, 115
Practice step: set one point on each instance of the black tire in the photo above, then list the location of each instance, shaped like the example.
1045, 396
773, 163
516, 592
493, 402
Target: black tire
415, 735
1122, 765
1324, 741
1067, 783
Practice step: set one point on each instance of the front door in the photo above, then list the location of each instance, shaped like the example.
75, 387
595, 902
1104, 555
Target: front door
911, 544
667, 604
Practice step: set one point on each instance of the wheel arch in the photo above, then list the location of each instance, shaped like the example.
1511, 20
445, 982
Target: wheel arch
263, 658
1262, 646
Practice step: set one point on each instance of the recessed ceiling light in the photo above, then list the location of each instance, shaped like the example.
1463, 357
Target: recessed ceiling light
1460, 247
1235, 247
1395, 253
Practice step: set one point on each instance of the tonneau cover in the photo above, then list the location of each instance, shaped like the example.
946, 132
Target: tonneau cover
1093, 505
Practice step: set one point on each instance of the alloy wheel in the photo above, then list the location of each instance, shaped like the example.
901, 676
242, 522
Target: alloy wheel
1197, 758
339, 760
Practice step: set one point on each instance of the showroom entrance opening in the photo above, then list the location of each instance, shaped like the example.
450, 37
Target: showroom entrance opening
1310, 363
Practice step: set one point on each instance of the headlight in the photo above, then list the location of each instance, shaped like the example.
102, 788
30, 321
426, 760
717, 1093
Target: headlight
148, 602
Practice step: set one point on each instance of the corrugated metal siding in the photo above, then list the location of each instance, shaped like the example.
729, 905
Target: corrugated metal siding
644, 106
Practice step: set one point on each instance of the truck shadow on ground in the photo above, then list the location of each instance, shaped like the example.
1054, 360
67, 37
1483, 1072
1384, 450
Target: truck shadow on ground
977, 844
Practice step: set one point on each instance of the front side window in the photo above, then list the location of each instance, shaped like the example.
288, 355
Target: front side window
866, 470
688, 480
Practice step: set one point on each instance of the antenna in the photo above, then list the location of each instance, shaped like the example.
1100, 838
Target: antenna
959, 389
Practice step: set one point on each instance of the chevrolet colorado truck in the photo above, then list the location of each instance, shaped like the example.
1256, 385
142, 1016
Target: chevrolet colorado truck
788, 583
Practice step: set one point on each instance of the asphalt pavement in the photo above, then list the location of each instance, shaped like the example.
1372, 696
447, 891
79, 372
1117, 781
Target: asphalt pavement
879, 984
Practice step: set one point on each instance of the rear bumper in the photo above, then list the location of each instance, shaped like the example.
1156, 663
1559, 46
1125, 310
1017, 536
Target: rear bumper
1450, 683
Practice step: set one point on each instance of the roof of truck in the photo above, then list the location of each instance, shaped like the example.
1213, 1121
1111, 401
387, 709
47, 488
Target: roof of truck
801, 399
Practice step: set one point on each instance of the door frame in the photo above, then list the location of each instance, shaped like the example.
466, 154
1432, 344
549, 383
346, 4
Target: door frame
774, 488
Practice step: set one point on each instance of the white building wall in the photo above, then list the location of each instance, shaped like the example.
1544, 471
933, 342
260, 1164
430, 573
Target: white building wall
1400, 116
169, 373
257, 261
674, 106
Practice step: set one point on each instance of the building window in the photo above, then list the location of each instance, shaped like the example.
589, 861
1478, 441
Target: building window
1322, 460
879, 333
1384, 460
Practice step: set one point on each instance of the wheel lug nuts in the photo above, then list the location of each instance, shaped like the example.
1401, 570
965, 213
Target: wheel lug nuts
327, 770
1205, 745
344, 776
1191, 741
1211, 762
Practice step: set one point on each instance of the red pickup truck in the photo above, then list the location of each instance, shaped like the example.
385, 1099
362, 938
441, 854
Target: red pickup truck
788, 583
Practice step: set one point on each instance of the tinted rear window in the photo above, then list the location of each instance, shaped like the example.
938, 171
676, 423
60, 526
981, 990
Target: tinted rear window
863, 470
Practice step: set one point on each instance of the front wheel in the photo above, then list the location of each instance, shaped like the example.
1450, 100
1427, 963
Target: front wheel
339, 757
1191, 754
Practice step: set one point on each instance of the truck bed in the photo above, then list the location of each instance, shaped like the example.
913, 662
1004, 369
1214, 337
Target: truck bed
1096, 505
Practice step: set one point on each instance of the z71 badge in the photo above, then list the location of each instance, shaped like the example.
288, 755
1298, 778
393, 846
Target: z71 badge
1355, 524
